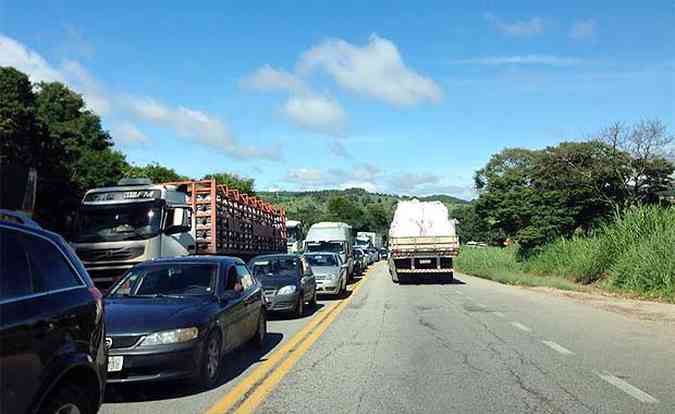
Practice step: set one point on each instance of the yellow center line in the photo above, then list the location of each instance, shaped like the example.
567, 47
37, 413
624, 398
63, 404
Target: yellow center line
260, 374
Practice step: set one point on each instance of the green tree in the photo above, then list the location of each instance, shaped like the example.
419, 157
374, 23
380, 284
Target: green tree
345, 210
244, 185
155, 172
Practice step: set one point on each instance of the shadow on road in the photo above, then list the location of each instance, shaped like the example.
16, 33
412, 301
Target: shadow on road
333, 298
233, 365
283, 316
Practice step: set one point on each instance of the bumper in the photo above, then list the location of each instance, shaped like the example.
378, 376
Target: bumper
280, 303
330, 287
165, 363
422, 271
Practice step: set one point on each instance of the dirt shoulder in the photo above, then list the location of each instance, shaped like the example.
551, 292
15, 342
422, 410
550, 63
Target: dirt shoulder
633, 308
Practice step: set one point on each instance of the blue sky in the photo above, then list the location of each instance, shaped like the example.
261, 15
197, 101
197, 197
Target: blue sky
404, 97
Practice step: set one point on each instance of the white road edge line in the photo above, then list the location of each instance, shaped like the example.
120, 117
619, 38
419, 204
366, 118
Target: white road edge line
521, 326
558, 348
501, 315
634, 392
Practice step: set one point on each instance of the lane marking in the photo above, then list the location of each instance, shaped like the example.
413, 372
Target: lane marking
558, 348
634, 392
501, 315
521, 326
267, 386
259, 375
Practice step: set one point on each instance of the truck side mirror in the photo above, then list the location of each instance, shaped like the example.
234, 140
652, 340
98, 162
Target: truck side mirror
179, 220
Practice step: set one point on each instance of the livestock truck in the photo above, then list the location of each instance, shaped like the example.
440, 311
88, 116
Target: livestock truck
121, 226
422, 241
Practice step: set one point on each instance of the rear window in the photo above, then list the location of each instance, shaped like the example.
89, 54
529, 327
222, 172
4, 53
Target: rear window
275, 267
321, 260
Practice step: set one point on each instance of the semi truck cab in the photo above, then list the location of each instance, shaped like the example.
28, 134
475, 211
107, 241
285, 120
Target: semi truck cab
118, 227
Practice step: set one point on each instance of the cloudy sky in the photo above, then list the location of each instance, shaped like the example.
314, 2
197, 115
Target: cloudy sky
392, 96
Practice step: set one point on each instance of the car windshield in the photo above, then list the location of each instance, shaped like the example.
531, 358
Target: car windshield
321, 260
168, 279
136, 221
275, 267
333, 247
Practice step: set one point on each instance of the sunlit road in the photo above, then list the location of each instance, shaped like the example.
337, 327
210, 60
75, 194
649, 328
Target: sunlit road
469, 347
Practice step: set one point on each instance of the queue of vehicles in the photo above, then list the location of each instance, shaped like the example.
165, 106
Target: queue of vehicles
195, 308
157, 251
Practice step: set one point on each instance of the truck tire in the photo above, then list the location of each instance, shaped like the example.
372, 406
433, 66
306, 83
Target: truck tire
394, 276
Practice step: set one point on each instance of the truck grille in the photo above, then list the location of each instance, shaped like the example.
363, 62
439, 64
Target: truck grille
107, 255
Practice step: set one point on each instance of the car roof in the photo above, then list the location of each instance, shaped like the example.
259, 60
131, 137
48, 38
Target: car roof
33, 229
196, 259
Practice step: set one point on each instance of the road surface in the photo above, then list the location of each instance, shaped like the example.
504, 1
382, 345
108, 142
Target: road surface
472, 346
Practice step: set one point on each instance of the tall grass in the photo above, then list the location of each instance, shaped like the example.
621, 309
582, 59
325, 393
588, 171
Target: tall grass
634, 252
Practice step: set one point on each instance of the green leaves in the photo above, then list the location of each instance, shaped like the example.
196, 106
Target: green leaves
244, 185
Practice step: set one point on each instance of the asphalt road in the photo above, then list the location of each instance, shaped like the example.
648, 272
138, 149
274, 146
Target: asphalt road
472, 346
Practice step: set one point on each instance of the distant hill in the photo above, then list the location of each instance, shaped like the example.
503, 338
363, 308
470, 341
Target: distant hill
312, 206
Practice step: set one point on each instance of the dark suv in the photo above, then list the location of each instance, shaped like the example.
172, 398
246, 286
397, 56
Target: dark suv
52, 346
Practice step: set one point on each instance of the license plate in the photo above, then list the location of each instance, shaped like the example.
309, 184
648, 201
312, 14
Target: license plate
425, 261
115, 363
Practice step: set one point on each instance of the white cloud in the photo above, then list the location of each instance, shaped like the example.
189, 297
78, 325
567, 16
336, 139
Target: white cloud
545, 60
197, 125
304, 175
187, 122
127, 133
13, 53
316, 113
520, 28
376, 70
408, 182
583, 29
268, 79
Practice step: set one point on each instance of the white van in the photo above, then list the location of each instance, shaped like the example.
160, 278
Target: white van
332, 237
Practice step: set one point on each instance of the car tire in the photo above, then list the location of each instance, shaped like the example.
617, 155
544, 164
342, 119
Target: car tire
211, 361
313, 301
66, 399
300, 307
258, 339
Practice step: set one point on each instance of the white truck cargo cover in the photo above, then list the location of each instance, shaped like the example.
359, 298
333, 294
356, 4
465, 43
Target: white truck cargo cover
421, 219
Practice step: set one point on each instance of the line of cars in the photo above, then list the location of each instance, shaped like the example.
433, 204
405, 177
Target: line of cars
167, 318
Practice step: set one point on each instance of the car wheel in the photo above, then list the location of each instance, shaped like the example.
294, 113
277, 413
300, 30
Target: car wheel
68, 399
300, 307
211, 360
261, 331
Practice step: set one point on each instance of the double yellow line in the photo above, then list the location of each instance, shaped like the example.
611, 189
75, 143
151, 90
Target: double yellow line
252, 390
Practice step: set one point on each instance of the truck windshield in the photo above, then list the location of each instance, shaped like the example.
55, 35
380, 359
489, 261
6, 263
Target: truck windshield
135, 221
333, 247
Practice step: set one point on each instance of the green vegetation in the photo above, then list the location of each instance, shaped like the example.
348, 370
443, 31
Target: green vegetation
633, 253
362, 210
49, 128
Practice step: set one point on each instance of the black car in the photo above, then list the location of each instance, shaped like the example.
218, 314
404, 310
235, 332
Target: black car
287, 280
177, 317
52, 352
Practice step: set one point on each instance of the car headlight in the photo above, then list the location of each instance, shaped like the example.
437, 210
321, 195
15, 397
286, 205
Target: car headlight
286, 290
332, 275
173, 336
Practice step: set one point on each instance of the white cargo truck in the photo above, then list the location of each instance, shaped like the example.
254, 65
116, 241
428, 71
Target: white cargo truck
422, 241
375, 238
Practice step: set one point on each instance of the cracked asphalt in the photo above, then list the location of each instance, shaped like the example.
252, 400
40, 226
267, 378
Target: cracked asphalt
451, 348
472, 346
